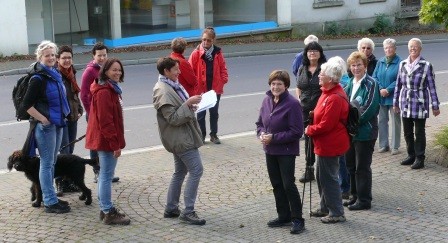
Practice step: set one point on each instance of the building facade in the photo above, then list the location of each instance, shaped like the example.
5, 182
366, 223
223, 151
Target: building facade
26, 23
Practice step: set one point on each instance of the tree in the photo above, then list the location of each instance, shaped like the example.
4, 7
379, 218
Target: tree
434, 11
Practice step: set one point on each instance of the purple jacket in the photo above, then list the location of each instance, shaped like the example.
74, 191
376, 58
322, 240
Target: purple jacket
284, 122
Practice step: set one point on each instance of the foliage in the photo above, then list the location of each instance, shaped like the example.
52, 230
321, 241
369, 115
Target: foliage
382, 25
442, 138
434, 11
331, 28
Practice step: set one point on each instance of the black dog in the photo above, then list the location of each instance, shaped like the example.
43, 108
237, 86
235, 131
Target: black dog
67, 166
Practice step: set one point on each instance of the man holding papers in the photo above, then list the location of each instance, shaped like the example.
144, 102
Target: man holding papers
210, 68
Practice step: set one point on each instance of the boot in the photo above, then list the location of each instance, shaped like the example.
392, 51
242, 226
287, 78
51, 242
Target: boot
115, 217
308, 175
59, 187
418, 164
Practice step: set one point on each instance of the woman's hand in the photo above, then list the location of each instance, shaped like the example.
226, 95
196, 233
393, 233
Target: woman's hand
193, 101
117, 153
384, 93
265, 138
435, 112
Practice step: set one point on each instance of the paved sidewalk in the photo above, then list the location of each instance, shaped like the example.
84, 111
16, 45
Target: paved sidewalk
236, 199
82, 53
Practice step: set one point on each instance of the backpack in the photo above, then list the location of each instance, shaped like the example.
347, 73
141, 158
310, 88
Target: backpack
18, 93
352, 124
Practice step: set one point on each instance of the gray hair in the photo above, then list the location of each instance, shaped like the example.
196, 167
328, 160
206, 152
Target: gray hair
309, 39
390, 42
417, 40
334, 68
43, 46
366, 41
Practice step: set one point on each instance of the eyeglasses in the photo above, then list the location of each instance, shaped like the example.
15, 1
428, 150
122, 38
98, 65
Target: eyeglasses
366, 47
313, 51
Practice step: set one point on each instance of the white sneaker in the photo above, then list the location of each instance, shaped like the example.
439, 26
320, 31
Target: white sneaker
394, 152
383, 149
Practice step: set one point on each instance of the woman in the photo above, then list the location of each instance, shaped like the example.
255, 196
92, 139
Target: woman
46, 102
366, 46
308, 92
186, 77
105, 134
279, 127
364, 90
415, 84
331, 140
385, 75
68, 72
180, 135
210, 68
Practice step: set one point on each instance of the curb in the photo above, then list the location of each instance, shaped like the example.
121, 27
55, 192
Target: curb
81, 66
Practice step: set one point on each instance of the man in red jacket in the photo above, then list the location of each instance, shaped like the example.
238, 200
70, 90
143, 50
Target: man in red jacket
210, 68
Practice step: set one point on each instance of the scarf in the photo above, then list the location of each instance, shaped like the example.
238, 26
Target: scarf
389, 59
117, 88
180, 90
208, 53
69, 74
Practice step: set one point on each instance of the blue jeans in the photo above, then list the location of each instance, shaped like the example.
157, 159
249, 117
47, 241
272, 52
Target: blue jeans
107, 164
344, 177
69, 135
214, 115
48, 140
186, 162
383, 127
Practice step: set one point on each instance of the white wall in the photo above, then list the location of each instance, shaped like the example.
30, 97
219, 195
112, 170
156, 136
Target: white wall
240, 10
303, 11
13, 33
62, 20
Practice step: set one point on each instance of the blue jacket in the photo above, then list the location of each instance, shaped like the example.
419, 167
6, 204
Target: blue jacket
368, 97
284, 122
386, 77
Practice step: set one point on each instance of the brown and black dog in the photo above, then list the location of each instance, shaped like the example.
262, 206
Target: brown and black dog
67, 166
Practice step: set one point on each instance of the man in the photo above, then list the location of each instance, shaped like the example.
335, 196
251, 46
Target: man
99, 52
299, 57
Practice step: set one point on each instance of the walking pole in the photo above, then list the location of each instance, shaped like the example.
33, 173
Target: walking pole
304, 184
310, 150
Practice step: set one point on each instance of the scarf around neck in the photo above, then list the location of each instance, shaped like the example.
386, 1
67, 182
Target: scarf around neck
69, 74
209, 52
180, 90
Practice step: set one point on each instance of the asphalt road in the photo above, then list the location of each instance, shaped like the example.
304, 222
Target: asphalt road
238, 108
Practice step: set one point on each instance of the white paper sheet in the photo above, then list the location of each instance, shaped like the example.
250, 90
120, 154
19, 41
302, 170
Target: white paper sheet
208, 101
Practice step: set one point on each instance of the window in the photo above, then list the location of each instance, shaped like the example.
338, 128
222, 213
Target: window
327, 3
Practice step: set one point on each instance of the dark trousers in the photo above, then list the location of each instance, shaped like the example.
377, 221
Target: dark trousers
310, 157
68, 136
359, 160
281, 169
415, 148
214, 115
344, 177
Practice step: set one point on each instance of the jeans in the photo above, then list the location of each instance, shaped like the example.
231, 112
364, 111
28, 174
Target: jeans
383, 127
68, 136
415, 148
107, 163
48, 140
213, 119
281, 170
359, 160
327, 169
185, 162
344, 177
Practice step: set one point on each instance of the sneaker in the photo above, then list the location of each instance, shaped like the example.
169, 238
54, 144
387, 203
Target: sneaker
333, 219
115, 217
115, 179
318, 213
191, 218
383, 149
171, 214
394, 152
62, 202
57, 208
214, 139
278, 223
297, 226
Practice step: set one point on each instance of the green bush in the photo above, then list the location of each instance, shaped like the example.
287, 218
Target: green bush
382, 25
331, 28
442, 138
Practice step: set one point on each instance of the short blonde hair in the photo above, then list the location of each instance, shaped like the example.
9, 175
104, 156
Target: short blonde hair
43, 46
357, 55
367, 41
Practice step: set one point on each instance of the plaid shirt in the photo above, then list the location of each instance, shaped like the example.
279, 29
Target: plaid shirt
414, 86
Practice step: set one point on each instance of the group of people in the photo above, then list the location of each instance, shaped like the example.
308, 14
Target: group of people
389, 88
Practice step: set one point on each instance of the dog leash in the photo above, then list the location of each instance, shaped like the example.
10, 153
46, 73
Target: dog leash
72, 142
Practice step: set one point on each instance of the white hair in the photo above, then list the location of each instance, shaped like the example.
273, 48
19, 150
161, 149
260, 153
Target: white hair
43, 46
390, 42
367, 41
309, 39
334, 68
417, 40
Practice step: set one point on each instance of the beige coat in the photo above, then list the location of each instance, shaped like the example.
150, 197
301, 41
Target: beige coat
178, 128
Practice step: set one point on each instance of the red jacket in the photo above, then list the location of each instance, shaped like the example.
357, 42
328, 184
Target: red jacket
328, 131
220, 75
187, 76
105, 129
